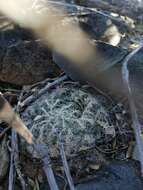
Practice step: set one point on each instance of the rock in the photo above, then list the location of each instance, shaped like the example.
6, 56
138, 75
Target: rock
23, 60
116, 176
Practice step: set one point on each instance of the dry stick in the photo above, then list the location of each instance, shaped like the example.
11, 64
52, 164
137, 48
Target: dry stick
15, 156
32, 98
65, 164
44, 154
135, 121
4, 132
11, 171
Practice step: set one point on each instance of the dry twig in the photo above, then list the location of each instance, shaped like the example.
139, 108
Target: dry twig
32, 98
65, 164
15, 156
3, 132
43, 153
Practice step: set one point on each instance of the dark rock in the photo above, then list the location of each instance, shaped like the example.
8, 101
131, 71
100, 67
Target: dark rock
24, 61
119, 175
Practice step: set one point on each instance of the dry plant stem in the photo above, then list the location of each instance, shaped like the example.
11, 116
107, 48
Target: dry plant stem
65, 164
15, 156
43, 152
11, 172
3, 132
135, 121
32, 98
49, 173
